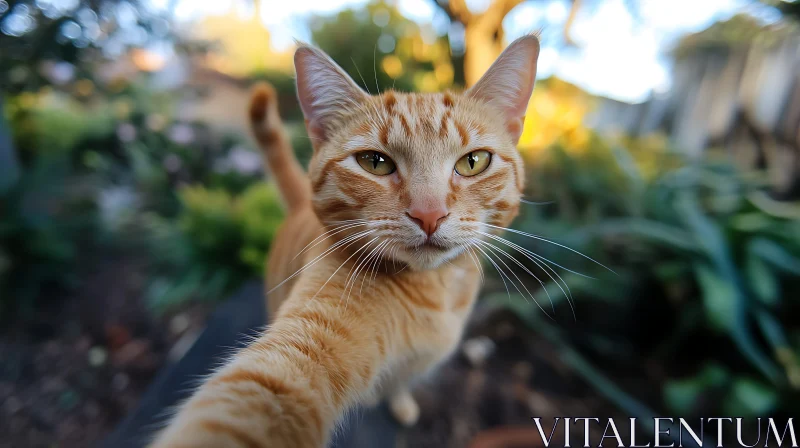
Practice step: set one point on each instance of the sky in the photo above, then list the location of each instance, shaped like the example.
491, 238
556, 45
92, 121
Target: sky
620, 53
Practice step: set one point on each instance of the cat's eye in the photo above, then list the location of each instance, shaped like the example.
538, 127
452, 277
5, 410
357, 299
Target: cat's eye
474, 163
375, 163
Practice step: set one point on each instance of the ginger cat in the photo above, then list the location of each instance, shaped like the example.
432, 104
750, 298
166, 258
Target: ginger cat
399, 188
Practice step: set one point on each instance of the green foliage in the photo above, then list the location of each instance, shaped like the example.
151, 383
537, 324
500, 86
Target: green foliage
218, 241
353, 36
127, 159
789, 8
343, 38
46, 217
698, 241
260, 214
36, 36
54, 130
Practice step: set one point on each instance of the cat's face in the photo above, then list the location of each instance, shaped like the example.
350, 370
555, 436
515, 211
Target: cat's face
416, 177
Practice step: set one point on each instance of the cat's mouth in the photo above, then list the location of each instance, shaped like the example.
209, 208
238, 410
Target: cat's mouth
428, 254
431, 245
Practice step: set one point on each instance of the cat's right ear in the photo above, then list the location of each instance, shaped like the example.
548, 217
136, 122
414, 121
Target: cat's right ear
326, 92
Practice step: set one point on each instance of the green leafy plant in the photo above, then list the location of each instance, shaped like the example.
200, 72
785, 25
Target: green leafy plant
705, 265
46, 217
218, 241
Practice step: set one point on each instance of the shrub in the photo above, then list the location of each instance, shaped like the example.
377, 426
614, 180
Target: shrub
700, 252
46, 218
218, 241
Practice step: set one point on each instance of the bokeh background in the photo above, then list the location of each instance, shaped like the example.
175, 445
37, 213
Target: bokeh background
662, 140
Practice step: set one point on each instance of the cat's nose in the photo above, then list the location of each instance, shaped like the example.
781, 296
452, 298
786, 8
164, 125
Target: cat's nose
428, 219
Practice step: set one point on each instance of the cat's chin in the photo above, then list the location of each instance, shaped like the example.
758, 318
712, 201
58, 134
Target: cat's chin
424, 258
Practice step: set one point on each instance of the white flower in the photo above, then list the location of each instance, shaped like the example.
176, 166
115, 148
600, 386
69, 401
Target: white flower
244, 161
116, 205
182, 134
172, 163
126, 132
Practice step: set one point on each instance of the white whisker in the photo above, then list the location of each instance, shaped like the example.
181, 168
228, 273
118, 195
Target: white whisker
525, 201
499, 271
328, 234
351, 279
374, 266
340, 267
361, 264
543, 266
492, 248
475, 260
525, 268
350, 239
537, 237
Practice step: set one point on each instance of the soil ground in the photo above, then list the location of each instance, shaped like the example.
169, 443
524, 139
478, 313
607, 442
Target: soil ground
74, 369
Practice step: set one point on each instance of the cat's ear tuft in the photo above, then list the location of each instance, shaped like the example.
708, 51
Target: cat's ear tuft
508, 83
325, 91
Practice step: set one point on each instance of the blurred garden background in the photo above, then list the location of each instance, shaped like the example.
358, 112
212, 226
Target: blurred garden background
662, 140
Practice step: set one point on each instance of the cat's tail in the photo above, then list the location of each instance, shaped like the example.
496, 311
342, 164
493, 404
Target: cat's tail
271, 135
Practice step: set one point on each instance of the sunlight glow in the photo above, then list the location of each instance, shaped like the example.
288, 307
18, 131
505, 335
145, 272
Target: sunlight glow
618, 55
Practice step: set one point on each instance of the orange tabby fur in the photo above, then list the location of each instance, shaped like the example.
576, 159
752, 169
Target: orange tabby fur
340, 339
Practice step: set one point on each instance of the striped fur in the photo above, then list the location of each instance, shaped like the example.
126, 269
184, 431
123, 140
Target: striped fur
377, 302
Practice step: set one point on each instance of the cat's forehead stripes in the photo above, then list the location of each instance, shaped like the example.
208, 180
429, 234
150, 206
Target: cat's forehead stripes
447, 100
443, 126
462, 132
389, 101
408, 116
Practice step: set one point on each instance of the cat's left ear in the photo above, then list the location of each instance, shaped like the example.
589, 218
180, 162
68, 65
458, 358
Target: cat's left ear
325, 91
508, 83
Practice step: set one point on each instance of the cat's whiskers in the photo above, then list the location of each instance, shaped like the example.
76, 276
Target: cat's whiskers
475, 260
359, 265
354, 270
540, 238
497, 268
525, 268
492, 248
365, 271
529, 202
373, 266
374, 107
327, 234
543, 266
342, 265
375, 68
348, 240
544, 260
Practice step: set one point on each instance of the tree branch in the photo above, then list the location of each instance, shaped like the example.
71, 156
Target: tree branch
455, 9
508, 5
573, 13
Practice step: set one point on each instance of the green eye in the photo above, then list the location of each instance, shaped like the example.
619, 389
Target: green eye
375, 163
473, 163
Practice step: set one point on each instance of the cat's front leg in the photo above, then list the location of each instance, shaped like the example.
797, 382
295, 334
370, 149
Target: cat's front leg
397, 390
404, 407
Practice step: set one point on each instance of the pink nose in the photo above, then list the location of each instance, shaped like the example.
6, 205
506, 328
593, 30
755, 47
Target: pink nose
428, 219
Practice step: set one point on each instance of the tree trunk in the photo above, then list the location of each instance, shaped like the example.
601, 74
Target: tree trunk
483, 39
482, 48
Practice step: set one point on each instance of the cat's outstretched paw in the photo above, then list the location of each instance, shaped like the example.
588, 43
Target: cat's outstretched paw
404, 408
